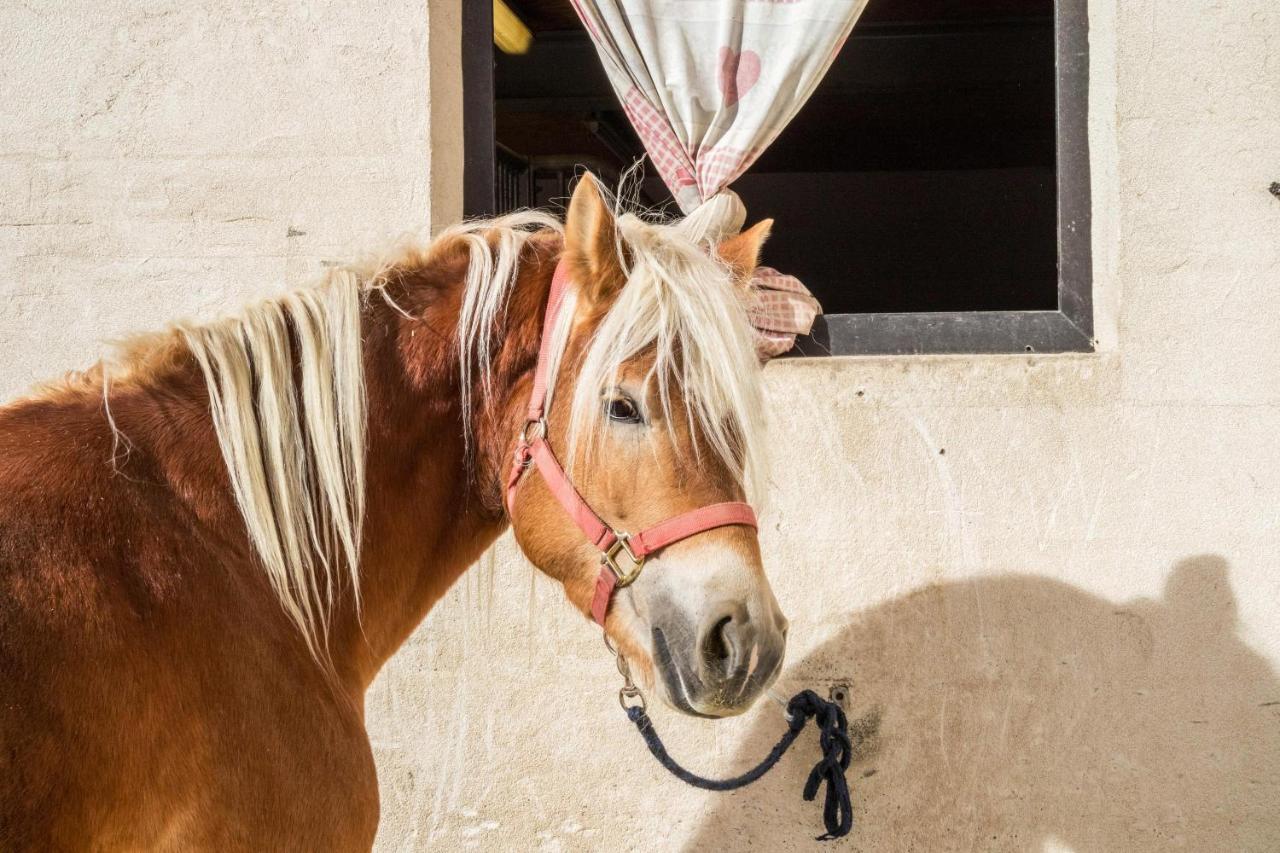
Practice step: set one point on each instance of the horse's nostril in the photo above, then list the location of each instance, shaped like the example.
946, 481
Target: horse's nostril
717, 646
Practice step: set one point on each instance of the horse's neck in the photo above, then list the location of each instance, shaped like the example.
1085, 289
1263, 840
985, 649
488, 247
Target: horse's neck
432, 506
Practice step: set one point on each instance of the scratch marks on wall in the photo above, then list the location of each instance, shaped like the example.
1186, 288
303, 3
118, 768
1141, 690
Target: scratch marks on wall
954, 512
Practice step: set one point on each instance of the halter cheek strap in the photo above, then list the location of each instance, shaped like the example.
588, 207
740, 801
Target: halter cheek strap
532, 450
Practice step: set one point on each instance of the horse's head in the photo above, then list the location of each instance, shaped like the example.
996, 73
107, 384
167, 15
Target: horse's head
656, 411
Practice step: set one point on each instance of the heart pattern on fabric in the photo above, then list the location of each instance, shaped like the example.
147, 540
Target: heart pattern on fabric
738, 73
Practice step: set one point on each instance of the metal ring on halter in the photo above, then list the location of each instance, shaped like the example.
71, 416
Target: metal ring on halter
524, 456
632, 692
629, 690
526, 437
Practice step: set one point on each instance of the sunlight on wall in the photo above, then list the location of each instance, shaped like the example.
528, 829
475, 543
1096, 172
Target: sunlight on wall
1050, 581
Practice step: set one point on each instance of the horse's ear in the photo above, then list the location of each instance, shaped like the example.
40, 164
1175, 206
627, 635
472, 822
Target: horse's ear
591, 243
742, 251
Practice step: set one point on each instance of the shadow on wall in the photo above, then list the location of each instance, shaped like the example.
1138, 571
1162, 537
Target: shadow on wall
1018, 713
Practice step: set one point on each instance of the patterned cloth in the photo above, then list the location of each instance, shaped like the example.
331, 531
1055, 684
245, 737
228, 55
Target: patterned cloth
781, 308
708, 85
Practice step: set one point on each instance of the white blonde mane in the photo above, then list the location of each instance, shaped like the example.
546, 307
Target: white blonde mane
294, 450
286, 386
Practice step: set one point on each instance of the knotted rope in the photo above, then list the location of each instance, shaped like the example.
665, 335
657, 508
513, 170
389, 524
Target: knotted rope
833, 737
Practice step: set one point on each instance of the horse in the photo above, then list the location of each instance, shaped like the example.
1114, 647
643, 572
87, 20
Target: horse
211, 542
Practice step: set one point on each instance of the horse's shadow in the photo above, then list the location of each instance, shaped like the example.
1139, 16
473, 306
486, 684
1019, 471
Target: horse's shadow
1018, 713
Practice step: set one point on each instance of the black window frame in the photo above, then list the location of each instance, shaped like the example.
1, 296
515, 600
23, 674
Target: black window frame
1069, 328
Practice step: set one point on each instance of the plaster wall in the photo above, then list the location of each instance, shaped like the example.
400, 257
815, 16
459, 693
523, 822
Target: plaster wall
1051, 582
161, 159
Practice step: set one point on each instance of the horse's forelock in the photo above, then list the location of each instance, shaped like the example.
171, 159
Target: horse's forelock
682, 312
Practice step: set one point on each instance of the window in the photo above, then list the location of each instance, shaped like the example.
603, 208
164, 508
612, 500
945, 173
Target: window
934, 192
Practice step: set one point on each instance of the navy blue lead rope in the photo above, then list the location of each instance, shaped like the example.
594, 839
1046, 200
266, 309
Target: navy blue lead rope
833, 736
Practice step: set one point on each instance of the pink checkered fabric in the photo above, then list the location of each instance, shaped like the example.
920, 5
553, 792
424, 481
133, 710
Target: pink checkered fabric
669, 157
708, 84
719, 167
700, 176
780, 309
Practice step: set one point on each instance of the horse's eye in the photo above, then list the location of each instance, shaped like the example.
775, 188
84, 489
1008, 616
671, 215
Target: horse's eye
622, 410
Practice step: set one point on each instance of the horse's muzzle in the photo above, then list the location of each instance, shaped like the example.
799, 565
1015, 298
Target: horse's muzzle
719, 667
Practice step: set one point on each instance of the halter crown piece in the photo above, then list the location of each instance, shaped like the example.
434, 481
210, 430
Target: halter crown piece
615, 546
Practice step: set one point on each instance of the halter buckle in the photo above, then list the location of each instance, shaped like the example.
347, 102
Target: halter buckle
610, 559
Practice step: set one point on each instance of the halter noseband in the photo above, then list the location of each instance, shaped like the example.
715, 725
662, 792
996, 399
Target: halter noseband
533, 450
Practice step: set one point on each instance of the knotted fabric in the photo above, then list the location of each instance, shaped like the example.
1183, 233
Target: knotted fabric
708, 85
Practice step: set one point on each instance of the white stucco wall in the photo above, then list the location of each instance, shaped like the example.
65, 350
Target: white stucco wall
1063, 630
164, 158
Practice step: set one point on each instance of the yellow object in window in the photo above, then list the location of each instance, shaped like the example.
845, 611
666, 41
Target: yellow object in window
509, 32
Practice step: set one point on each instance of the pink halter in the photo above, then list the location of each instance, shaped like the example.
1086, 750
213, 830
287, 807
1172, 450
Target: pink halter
533, 449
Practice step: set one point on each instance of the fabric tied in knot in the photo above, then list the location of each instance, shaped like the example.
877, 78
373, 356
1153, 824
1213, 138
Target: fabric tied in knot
779, 307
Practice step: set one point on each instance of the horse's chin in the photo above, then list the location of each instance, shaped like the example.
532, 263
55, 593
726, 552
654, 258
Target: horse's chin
703, 710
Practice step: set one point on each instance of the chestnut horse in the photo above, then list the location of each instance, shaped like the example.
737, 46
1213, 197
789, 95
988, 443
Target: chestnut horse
210, 545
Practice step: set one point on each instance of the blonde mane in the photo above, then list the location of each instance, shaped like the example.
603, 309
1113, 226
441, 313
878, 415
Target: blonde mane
286, 385
295, 452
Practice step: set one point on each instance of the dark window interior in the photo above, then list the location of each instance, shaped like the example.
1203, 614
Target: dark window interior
921, 176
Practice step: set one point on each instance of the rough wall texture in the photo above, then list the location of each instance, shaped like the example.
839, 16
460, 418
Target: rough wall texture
1051, 582
163, 158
